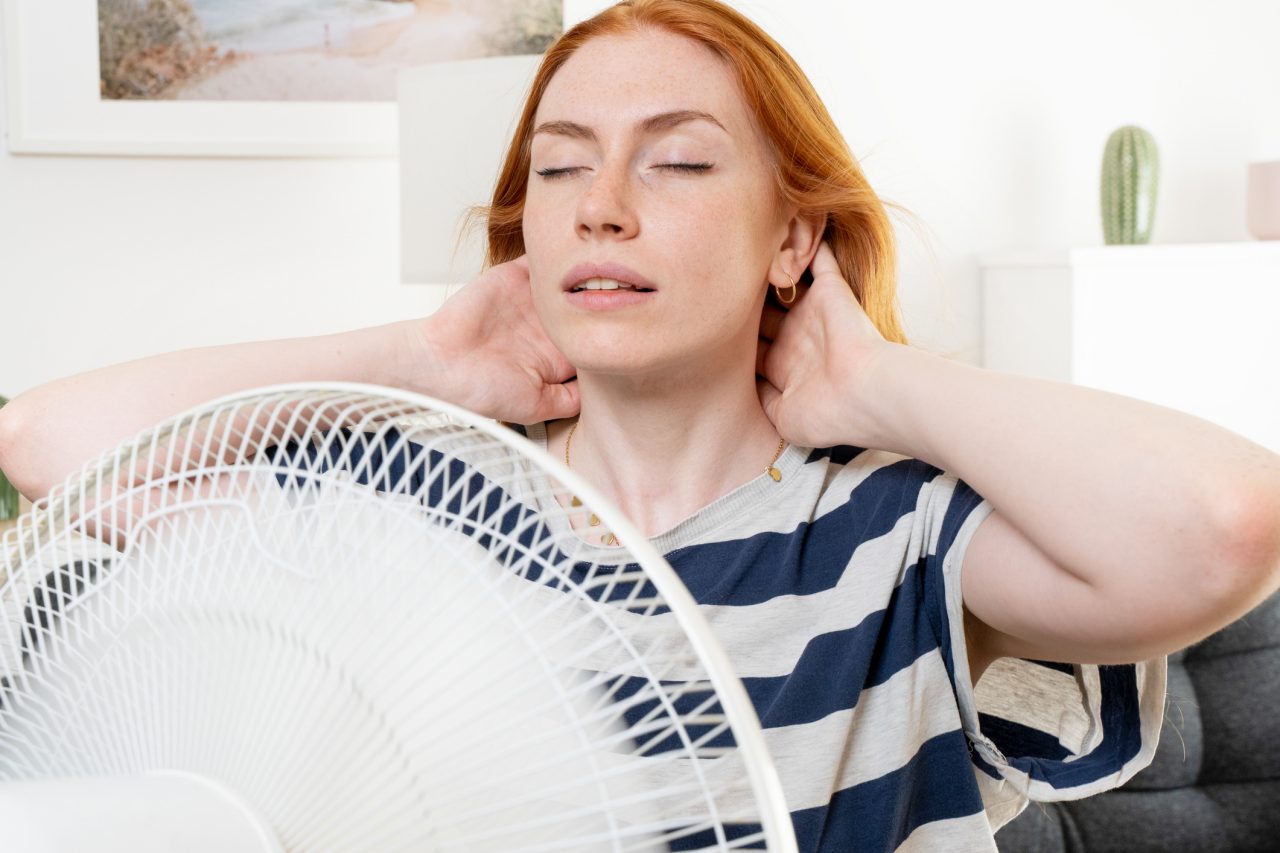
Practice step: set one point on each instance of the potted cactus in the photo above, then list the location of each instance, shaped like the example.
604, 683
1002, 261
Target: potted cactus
1130, 170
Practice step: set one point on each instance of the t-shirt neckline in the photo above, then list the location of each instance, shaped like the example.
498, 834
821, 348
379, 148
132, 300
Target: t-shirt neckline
724, 509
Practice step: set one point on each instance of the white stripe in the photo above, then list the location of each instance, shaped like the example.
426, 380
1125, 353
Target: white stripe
1041, 698
969, 834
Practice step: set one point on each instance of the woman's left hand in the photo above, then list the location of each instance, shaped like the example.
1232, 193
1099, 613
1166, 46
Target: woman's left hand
817, 360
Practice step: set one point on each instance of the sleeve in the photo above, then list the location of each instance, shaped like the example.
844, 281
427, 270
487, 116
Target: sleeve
1036, 730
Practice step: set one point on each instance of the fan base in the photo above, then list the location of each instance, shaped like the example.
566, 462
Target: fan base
153, 813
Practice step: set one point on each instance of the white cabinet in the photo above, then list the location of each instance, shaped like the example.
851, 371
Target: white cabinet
1194, 327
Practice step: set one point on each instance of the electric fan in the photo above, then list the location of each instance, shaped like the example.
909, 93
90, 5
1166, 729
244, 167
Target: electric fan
336, 617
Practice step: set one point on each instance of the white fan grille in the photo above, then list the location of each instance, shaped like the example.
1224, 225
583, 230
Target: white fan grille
366, 613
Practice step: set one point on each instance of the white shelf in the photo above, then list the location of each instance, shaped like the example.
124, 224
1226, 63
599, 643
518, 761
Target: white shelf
1195, 327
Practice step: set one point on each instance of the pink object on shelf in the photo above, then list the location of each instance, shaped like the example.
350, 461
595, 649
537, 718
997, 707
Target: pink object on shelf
1263, 216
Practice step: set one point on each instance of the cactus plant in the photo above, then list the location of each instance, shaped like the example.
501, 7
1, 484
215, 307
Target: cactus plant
8, 494
1130, 170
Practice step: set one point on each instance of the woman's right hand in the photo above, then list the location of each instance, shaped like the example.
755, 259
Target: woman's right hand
485, 350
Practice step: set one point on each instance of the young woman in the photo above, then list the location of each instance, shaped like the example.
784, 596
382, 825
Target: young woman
871, 528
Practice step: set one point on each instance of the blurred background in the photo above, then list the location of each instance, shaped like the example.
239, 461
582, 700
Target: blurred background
986, 119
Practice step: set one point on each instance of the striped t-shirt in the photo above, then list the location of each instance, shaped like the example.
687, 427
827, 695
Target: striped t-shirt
836, 594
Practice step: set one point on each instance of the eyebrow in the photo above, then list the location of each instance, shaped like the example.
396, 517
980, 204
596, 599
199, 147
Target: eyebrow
661, 121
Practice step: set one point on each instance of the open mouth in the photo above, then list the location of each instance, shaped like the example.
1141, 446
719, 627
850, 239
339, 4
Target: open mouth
608, 284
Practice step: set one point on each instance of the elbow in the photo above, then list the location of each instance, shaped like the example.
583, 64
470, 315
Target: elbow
16, 451
1248, 547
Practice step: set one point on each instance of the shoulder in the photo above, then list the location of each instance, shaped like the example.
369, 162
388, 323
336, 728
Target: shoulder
869, 475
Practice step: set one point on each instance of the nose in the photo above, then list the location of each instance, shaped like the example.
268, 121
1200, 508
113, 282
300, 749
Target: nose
605, 209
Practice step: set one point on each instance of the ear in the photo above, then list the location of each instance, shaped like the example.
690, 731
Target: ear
800, 243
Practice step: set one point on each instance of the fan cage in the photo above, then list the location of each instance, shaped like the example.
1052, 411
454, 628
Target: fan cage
252, 497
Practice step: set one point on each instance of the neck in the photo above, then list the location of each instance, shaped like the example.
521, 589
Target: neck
662, 448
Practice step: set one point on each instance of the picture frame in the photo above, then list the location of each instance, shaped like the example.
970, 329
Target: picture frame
53, 107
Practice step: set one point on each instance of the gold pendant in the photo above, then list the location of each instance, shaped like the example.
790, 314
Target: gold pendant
774, 473
575, 501
594, 521
610, 539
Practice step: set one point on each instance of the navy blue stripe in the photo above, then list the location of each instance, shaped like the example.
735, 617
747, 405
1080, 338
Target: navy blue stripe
654, 716
706, 839
839, 455
810, 559
836, 667
1068, 668
964, 500
1017, 739
937, 784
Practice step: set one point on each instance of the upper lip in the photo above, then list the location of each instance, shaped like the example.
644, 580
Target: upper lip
617, 272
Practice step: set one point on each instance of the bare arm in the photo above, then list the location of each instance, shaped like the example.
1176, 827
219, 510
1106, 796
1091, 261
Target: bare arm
50, 430
483, 350
1123, 530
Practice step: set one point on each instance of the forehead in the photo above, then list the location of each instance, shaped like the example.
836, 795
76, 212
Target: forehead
616, 81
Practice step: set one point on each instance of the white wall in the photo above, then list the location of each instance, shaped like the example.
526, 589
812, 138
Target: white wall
986, 119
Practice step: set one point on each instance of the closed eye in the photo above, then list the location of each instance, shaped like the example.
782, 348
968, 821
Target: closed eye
566, 171
552, 174
685, 167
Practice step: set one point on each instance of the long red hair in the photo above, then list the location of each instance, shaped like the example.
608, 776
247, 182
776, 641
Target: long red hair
816, 172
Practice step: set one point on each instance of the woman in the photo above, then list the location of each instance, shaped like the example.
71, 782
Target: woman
671, 165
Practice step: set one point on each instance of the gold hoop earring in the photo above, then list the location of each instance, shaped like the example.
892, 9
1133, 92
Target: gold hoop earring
792, 282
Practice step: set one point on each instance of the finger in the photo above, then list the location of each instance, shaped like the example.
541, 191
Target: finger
517, 269
559, 401
769, 396
824, 263
561, 369
762, 351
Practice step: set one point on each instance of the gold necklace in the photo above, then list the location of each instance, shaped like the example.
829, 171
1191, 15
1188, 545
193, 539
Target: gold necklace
607, 537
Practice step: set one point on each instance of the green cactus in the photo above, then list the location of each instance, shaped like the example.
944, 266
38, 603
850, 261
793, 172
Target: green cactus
8, 494
1130, 171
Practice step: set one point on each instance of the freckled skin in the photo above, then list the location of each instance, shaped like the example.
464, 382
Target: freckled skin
704, 239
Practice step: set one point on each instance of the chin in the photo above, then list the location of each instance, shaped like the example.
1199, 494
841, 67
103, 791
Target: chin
617, 355
612, 363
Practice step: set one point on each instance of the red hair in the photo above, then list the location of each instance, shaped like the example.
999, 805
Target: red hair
816, 172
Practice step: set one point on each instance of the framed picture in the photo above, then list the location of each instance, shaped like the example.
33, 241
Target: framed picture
255, 78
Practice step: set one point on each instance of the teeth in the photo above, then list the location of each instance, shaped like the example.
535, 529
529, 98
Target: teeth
604, 284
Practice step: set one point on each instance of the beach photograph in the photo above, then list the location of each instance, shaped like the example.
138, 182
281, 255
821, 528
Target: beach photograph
302, 50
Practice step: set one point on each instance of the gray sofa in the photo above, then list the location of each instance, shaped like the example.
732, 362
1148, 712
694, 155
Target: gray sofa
1214, 784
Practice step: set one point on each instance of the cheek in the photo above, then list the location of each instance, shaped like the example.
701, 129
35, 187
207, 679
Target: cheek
529, 221
724, 253
538, 248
